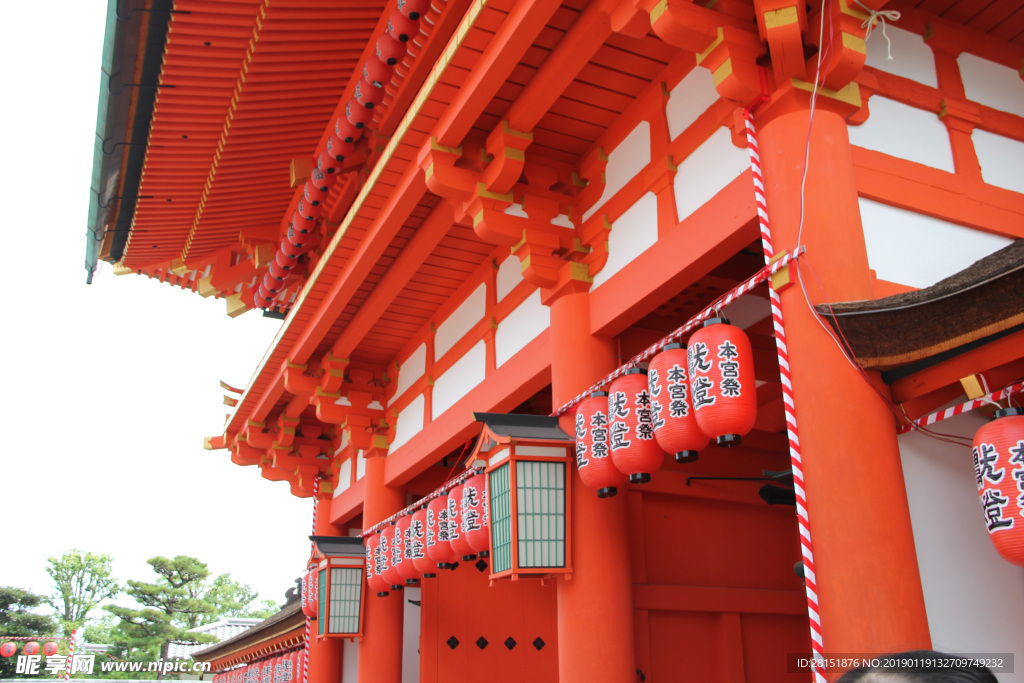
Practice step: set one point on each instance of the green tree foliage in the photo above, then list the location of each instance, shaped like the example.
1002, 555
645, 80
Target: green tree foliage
18, 619
231, 598
171, 606
81, 581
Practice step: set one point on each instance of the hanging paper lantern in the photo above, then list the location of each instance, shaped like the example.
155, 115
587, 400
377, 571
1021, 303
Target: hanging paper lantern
321, 180
307, 210
358, 115
722, 389
417, 544
267, 671
999, 470
463, 550
476, 515
396, 556
377, 72
50, 648
593, 459
326, 162
390, 50
631, 432
313, 193
675, 423
344, 128
339, 149
460, 541
309, 595
402, 28
407, 568
284, 262
31, 648
376, 564
288, 668
414, 9
439, 545
369, 95
8, 649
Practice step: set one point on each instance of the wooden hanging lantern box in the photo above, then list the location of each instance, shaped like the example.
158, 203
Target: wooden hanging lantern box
340, 563
528, 493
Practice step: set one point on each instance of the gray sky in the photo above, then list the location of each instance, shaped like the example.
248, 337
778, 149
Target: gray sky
109, 389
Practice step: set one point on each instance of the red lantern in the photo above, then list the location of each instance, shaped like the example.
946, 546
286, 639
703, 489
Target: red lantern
999, 470
358, 115
49, 648
308, 211
722, 389
402, 28
631, 429
284, 262
267, 671
439, 545
8, 649
417, 544
31, 648
396, 555
312, 192
390, 50
326, 163
476, 517
675, 424
339, 149
414, 9
368, 94
299, 668
593, 461
459, 542
377, 72
288, 668
309, 595
321, 180
344, 128
376, 564
407, 568
291, 249
457, 535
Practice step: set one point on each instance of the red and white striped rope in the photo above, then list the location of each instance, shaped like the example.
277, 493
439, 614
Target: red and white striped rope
31, 638
803, 517
309, 621
674, 336
423, 501
964, 407
71, 655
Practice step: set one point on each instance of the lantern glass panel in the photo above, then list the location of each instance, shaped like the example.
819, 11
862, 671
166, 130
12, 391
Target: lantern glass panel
346, 594
501, 519
321, 601
540, 504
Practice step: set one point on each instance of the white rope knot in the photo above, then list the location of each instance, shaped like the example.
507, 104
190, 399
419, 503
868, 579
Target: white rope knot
878, 17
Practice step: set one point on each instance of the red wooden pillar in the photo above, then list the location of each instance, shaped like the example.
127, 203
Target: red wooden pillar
380, 650
326, 655
595, 606
869, 585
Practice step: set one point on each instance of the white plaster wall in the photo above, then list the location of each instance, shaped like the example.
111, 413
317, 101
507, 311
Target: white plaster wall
974, 598
350, 659
905, 132
991, 84
918, 250
707, 170
344, 477
460, 321
747, 310
911, 56
409, 422
689, 99
360, 466
411, 370
624, 162
632, 234
522, 326
510, 274
1001, 159
461, 377
410, 636
518, 210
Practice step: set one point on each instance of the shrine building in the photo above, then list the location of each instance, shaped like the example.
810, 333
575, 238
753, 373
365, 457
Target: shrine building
621, 340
